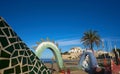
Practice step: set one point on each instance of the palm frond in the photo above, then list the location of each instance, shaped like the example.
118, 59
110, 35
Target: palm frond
91, 38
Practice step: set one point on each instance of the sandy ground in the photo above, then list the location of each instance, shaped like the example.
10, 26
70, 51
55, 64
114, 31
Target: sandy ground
78, 72
75, 71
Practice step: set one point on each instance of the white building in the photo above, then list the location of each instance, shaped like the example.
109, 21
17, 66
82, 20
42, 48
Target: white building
75, 50
74, 53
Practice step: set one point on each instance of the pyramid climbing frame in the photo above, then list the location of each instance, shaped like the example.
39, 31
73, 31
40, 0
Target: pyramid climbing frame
15, 56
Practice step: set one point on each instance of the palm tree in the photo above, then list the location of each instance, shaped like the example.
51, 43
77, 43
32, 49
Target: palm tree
90, 39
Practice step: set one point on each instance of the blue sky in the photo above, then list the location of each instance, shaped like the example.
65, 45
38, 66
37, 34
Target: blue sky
64, 21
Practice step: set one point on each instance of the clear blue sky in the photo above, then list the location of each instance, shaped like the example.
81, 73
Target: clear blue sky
62, 20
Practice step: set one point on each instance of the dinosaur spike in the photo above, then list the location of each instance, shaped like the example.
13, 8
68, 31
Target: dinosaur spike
57, 44
53, 41
47, 39
37, 43
42, 40
34, 47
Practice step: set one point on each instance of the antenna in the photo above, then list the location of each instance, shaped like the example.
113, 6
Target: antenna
110, 45
102, 43
103, 48
115, 46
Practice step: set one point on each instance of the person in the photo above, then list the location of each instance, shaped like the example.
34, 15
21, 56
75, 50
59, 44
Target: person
116, 56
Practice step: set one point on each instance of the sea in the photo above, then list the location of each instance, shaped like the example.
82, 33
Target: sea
48, 60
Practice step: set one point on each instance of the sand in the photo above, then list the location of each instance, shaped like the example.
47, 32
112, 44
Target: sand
72, 69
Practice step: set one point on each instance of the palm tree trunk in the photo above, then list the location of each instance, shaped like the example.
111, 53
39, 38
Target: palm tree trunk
91, 46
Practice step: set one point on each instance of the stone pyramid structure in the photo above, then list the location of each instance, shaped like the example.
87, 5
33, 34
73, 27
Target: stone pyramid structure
15, 56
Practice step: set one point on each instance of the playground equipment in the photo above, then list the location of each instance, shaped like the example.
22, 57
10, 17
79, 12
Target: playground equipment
115, 62
109, 63
113, 67
92, 61
53, 47
15, 56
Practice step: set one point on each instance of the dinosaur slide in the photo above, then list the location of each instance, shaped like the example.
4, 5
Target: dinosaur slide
50, 45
